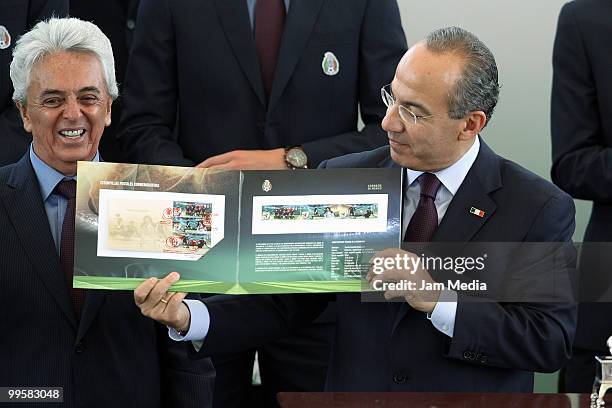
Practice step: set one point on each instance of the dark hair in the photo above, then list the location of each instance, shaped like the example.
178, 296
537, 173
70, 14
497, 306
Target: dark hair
478, 87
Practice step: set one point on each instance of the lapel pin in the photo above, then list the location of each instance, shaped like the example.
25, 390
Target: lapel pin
330, 64
477, 212
5, 38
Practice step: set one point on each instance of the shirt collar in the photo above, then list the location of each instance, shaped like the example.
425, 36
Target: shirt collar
452, 176
47, 176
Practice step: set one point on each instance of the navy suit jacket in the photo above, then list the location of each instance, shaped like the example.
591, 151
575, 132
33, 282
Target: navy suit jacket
581, 124
18, 16
391, 347
113, 356
193, 87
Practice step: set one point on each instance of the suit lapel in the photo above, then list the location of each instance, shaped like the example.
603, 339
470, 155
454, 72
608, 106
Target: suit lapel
458, 224
23, 202
299, 24
234, 18
93, 301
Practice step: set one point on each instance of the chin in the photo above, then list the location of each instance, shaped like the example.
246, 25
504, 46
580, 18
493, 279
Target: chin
398, 158
79, 155
407, 162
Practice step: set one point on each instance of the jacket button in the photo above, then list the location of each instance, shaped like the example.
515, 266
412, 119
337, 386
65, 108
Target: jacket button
79, 348
130, 24
399, 378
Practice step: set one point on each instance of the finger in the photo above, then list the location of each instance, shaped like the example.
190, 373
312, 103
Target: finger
395, 275
232, 165
143, 290
376, 283
218, 159
395, 294
160, 290
370, 274
164, 301
176, 313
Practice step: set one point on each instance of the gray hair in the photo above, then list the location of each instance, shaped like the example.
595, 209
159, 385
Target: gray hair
477, 89
57, 35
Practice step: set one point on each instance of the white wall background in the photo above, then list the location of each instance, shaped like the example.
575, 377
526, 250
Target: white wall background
520, 33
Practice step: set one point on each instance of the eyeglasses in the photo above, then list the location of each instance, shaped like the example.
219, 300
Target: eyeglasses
407, 116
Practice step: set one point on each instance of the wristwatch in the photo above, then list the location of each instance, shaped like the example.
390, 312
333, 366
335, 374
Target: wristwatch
296, 158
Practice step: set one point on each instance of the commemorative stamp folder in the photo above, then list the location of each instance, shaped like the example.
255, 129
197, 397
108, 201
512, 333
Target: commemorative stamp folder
232, 231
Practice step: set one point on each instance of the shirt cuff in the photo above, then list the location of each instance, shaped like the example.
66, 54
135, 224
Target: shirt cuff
199, 324
445, 312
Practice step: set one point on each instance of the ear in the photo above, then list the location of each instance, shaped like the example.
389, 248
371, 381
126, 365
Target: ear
25, 117
474, 122
107, 116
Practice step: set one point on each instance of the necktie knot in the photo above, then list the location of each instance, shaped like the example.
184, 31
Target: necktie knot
429, 185
66, 188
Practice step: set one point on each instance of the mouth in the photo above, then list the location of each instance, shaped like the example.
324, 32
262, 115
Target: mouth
72, 133
395, 143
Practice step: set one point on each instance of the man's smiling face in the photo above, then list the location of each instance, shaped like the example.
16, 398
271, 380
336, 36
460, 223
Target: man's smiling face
67, 109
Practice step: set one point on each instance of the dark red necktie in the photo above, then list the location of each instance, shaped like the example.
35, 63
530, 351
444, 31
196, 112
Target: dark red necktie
269, 22
67, 189
424, 222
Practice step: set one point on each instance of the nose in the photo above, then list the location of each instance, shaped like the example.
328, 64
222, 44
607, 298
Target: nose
72, 109
392, 122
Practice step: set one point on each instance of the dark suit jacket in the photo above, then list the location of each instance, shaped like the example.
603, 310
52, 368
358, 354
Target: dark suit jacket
581, 120
113, 357
18, 16
391, 347
196, 60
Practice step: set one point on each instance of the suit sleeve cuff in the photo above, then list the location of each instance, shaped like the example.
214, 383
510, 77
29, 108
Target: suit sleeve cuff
445, 312
199, 325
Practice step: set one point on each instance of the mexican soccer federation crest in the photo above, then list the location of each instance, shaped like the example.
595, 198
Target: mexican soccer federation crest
266, 186
5, 38
330, 64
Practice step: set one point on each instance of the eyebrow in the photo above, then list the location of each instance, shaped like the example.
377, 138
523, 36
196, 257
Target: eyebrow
49, 92
90, 89
412, 103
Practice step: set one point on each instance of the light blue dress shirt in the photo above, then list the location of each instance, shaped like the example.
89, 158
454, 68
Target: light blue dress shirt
251, 6
55, 204
445, 312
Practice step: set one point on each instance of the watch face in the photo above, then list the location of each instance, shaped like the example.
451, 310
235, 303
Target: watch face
297, 157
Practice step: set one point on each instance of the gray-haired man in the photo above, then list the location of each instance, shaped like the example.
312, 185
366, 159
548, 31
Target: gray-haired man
93, 344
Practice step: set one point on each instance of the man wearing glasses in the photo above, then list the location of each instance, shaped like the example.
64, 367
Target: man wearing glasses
444, 92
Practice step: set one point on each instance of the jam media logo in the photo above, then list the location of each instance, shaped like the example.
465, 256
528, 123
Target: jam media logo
266, 186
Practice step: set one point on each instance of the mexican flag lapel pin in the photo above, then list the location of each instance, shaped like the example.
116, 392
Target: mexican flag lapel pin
477, 212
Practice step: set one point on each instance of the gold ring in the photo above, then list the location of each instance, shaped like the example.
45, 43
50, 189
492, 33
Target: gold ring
164, 301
